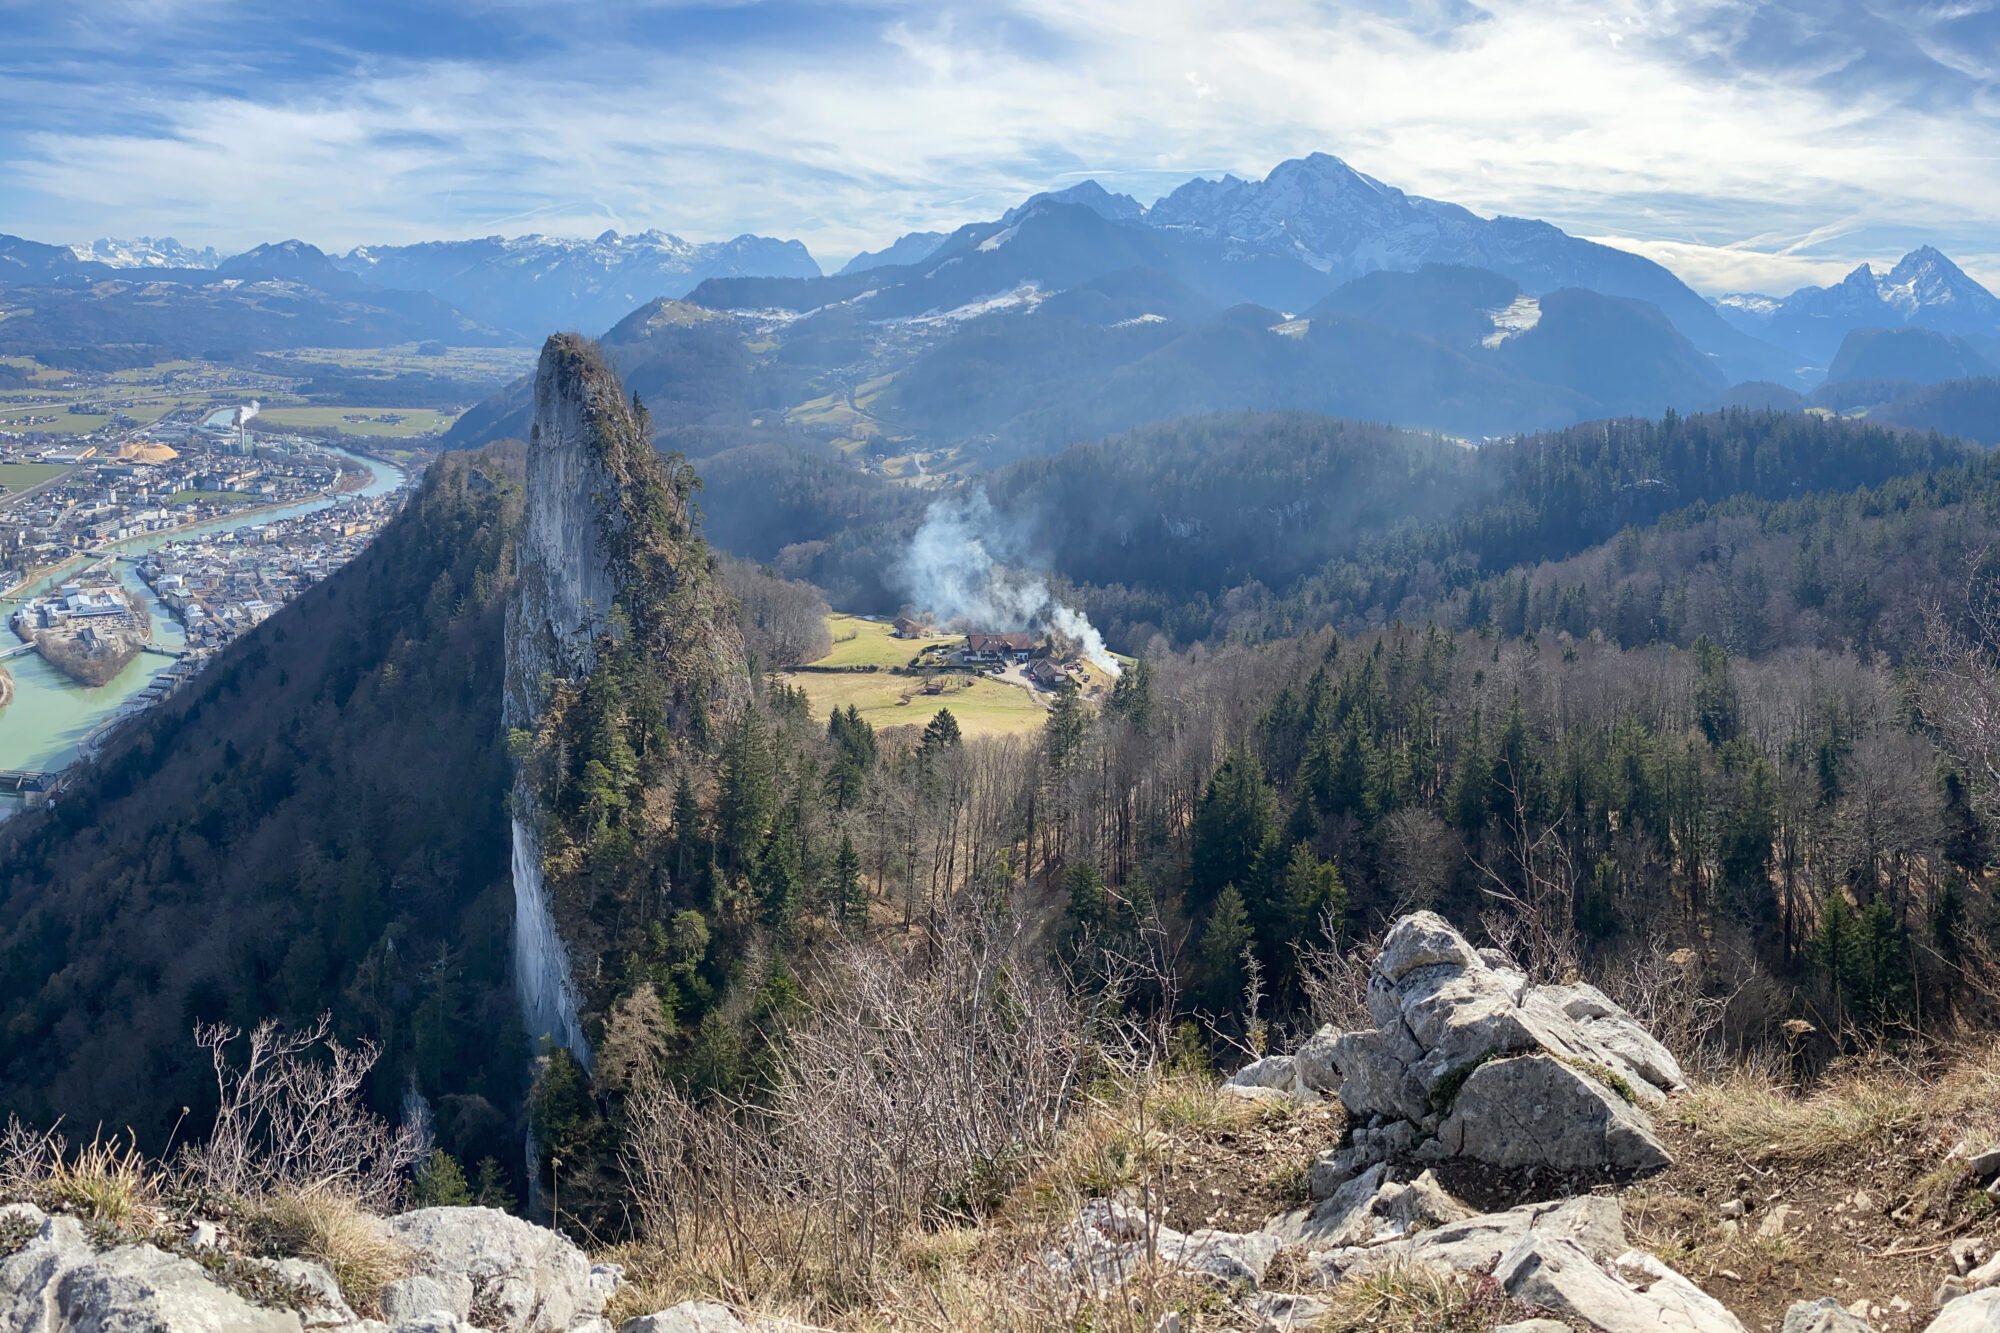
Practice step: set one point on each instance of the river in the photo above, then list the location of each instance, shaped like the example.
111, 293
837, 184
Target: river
50, 713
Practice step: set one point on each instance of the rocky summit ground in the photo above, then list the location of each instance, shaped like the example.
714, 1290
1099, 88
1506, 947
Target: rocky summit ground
1490, 1153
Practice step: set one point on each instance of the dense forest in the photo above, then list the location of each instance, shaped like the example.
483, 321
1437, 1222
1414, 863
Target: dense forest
1621, 695
319, 824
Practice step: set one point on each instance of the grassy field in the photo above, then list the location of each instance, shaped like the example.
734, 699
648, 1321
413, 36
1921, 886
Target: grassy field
859, 642
982, 706
415, 421
469, 362
20, 476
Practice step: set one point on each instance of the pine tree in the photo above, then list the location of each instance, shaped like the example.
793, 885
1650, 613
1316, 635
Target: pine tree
850, 893
1235, 820
749, 791
1223, 943
1089, 905
1132, 696
1716, 709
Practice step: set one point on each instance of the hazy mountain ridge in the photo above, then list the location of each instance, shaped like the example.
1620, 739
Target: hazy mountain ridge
1924, 289
536, 283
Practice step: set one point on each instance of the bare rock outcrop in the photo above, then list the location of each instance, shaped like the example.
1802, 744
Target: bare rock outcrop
1469, 1059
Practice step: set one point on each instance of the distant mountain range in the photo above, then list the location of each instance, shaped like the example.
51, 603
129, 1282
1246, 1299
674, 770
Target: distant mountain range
1288, 240
1924, 290
535, 285
147, 252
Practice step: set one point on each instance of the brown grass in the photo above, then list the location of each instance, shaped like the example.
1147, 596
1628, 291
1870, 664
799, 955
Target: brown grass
1752, 1113
333, 1230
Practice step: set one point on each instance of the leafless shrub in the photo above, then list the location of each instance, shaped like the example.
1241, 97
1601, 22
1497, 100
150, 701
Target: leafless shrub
1679, 998
1335, 981
291, 1120
915, 1092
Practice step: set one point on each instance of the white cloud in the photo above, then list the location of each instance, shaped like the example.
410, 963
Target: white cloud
1578, 112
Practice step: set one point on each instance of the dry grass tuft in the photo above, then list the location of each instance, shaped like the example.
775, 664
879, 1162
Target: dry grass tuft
1746, 1113
334, 1230
112, 1186
1417, 1299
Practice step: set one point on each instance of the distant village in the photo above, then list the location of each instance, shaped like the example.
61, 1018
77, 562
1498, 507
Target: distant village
220, 586
161, 477
1045, 661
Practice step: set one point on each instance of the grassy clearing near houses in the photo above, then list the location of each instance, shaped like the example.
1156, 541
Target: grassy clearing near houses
858, 641
983, 707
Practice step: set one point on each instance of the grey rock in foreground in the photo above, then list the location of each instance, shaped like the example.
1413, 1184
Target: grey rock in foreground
1593, 1224
1635, 1293
57, 1283
1977, 1313
532, 1279
1468, 1059
1825, 1315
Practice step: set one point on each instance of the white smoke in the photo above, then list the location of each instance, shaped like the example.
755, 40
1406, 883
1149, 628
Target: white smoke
956, 569
243, 414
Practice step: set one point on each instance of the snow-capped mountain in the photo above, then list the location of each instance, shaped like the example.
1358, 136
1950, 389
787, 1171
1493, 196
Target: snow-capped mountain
536, 284
147, 252
1322, 212
1924, 290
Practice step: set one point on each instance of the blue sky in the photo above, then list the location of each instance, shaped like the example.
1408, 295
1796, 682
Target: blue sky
1746, 145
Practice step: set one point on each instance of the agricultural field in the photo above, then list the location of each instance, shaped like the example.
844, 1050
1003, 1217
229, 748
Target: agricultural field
20, 476
982, 705
858, 641
451, 362
415, 421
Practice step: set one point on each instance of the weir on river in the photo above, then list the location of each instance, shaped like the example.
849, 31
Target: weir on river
50, 713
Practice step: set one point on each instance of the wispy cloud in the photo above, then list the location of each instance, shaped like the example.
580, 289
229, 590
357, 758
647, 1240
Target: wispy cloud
1743, 143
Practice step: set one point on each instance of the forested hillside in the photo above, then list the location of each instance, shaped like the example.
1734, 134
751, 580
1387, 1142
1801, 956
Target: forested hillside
318, 824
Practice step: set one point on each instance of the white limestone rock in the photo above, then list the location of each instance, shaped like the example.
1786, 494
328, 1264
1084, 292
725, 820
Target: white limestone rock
1594, 1223
1536, 1111
1976, 1313
1635, 1293
1825, 1315
58, 1284
535, 1279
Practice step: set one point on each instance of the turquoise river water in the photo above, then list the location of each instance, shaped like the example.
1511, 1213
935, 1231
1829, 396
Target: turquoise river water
50, 713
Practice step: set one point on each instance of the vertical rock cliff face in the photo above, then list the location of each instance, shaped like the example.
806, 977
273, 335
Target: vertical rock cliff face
615, 601
564, 594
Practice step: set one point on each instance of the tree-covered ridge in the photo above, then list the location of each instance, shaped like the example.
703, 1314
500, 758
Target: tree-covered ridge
318, 823
648, 526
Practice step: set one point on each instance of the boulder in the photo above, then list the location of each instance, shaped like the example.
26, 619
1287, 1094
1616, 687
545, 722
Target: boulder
1595, 1224
1533, 1110
1273, 1078
329, 1308
1635, 1293
414, 1297
1977, 1313
1314, 1061
532, 1279
1109, 1241
57, 1284
1825, 1315
1289, 1312
1369, 1210
1450, 1023
687, 1317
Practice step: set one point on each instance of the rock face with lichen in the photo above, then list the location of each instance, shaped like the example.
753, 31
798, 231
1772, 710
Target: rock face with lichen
1468, 1059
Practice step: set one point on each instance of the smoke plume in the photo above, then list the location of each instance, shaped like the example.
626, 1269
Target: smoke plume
957, 568
243, 414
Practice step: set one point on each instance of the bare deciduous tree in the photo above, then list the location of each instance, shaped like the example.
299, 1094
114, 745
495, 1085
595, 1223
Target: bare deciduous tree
291, 1120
